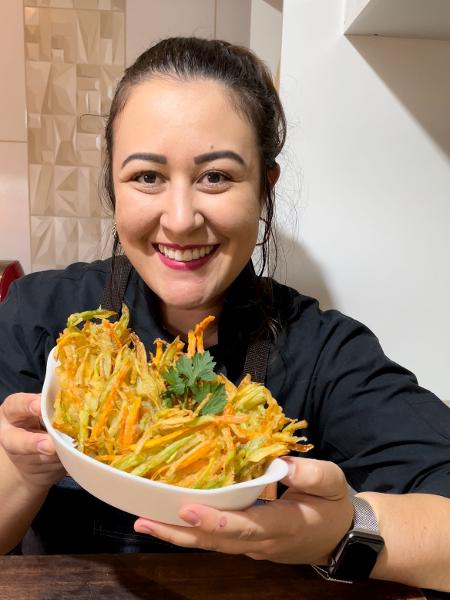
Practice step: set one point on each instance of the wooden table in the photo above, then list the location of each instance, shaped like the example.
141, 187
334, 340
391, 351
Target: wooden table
202, 576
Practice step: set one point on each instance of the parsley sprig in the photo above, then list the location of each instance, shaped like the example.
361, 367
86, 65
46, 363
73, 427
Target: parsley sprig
190, 380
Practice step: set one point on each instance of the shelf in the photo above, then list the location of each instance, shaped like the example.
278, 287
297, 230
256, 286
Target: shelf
429, 19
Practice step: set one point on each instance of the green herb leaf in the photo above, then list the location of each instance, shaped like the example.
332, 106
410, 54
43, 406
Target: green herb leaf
216, 403
167, 402
191, 379
200, 366
176, 386
200, 391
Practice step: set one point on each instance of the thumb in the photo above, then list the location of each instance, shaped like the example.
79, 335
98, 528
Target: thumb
315, 478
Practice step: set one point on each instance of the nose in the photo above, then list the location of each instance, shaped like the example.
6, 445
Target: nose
181, 215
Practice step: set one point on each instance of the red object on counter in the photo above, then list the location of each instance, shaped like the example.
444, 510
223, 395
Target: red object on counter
9, 271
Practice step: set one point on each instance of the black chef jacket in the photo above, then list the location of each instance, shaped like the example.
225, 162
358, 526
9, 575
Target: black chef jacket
365, 412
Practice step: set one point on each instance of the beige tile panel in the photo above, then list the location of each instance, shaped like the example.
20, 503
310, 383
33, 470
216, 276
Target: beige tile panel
65, 191
74, 59
14, 210
41, 186
110, 74
74, 36
37, 76
60, 241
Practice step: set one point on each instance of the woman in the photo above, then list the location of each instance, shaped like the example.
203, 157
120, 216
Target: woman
192, 139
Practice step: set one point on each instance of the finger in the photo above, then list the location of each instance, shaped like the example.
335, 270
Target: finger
187, 537
255, 523
215, 530
234, 532
39, 464
19, 406
18, 441
315, 477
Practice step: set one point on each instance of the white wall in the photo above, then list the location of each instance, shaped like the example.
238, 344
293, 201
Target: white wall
367, 171
265, 32
148, 21
256, 24
14, 213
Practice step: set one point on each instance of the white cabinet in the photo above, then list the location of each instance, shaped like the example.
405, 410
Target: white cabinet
399, 18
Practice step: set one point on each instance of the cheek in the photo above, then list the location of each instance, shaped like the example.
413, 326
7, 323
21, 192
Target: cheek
134, 219
238, 220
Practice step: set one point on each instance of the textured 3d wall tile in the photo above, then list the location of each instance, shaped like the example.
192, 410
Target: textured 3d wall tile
74, 57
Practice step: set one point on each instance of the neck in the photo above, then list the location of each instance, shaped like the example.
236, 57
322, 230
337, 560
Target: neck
179, 321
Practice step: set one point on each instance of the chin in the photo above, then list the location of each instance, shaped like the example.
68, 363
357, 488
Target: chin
182, 300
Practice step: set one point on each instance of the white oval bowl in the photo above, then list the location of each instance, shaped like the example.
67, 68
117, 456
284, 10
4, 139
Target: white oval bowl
138, 495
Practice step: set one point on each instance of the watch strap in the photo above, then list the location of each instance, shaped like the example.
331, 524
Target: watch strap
323, 572
364, 515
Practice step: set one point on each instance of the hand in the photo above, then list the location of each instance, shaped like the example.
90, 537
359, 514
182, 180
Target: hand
303, 527
28, 447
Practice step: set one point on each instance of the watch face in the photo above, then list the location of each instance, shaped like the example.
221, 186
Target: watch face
357, 556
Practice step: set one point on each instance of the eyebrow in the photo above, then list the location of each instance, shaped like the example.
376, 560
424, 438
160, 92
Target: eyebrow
148, 156
202, 158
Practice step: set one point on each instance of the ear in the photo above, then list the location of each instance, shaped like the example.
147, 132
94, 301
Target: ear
273, 174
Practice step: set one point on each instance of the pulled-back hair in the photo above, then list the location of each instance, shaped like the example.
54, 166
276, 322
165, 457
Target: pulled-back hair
251, 90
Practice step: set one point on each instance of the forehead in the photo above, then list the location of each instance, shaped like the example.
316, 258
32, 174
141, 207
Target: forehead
198, 112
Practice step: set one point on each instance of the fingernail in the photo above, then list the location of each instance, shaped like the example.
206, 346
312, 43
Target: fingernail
35, 408
191, 517
144, 528
44, 447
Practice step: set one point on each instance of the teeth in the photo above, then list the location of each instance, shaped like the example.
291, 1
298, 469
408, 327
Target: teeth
185, 255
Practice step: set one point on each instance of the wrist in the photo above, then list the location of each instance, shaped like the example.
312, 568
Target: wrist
355, 556
343, 524
22, 485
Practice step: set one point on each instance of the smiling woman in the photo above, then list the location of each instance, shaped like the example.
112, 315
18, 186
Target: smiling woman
191, 145
208, 193
187, 213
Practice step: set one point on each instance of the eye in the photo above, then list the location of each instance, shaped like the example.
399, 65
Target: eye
147, 178
148, 181
214, 179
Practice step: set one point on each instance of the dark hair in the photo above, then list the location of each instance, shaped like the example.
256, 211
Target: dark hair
251, 89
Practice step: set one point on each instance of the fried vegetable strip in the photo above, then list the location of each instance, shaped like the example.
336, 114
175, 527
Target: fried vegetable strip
170, 418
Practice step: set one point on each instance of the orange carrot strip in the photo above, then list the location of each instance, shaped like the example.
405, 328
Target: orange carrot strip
192, 343
199, 452
158, 352
130, 423
107, 457
122, 428
199, 331
109, 402
165, 438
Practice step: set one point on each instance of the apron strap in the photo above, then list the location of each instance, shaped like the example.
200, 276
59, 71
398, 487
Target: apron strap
257, 360
258, 351
114, 290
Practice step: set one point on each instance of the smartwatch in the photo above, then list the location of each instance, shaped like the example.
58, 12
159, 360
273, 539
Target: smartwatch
356, 554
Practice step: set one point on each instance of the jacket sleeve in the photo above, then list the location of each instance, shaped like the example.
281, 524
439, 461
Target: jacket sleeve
22, 348
386, 432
